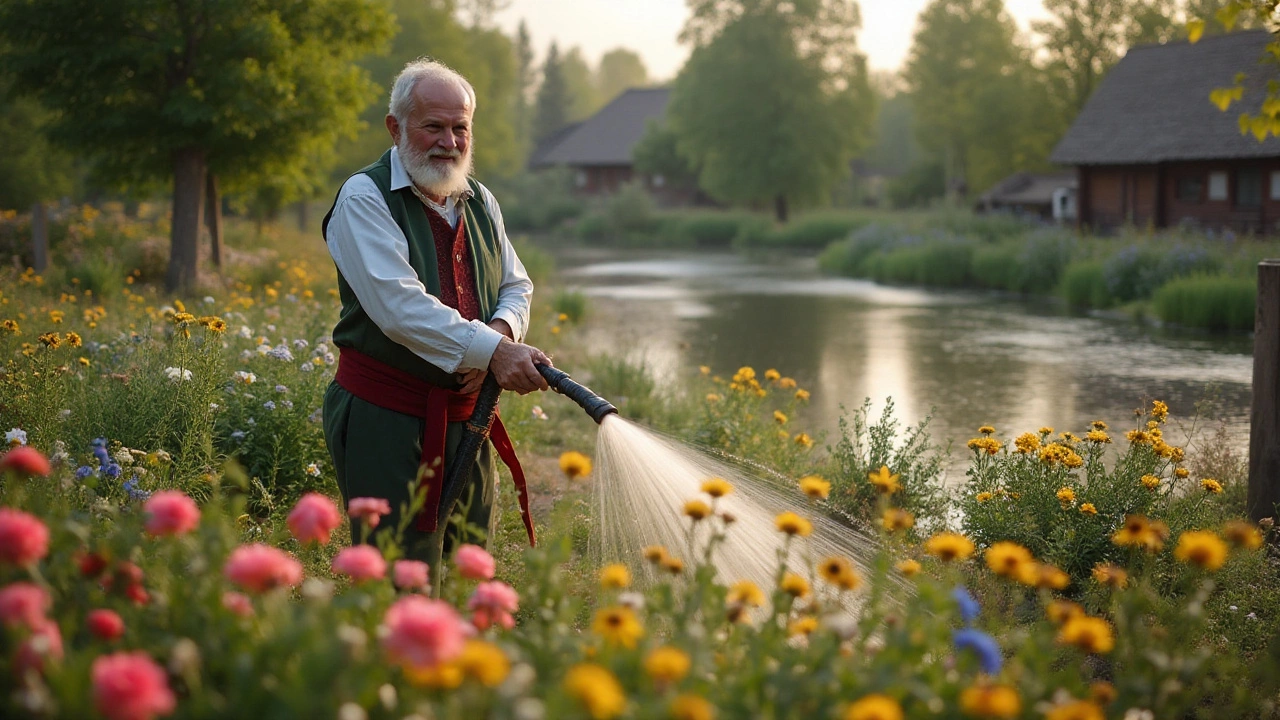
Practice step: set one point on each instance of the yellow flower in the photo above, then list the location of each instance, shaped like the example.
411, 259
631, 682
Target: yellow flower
654, 553
986, 444
948, 546
1073, 460
51, 340
885, 481
618, 625
666, 664
745, 592
691, 707
1008, 559
983, 497
1060, 611
704, 369
1138, 437
615, 576
1159, 411
1181, 473
1046, 430
562, 317
990, 701
779, 417
73, 339
1243, 534
839, 571
792, 524
1076, 710
1026, 443
597, 689
1110, 575
896, 519
1098, 425
84, 361
1097, 436
716, 487
1066, 495
485, 662
802, 626
908, 568
11, 327
1088, 509
802, 395
55, 316
787, 383
1202, 548
803, 440
697, 509
1091, 634
794, 585
986, 430
1151, 482
215, 324
444, 676
1211, 486
575, 465
815, 487
874, 707
1138, 531
1102, 692
713, 398
1051, 578
673, 565
555, 329
772, 375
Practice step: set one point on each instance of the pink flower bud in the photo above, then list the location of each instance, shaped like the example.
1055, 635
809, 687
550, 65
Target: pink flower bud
411, 574
171, 512
23, 604
131, 686
474, 563
360, 563
25, 460
313, 518
368, 508
105, 624
23, 538
422, 632
259, 568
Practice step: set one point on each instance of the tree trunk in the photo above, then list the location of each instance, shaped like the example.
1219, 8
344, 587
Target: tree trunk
39, 237
301, 208
213, 218
184, 236
780, 208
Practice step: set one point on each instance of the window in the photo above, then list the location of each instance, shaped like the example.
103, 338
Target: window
1191, 188
1275, 184
1218, 185
1248, 188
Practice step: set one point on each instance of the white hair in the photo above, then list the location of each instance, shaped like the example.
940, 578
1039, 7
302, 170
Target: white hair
423, 69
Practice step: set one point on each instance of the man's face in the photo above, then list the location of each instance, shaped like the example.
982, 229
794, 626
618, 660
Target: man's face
435, 140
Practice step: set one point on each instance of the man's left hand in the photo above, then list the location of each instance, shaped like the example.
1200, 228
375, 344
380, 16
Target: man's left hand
472, 379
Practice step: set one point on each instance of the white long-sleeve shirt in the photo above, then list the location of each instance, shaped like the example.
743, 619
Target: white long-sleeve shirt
372, 254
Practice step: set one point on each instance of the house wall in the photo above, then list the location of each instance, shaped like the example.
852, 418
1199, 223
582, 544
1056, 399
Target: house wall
1142, 195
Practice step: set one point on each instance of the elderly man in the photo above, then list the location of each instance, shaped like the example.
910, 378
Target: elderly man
433, 298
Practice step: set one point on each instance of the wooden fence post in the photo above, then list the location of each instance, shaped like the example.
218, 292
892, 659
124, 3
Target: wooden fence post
1264, 427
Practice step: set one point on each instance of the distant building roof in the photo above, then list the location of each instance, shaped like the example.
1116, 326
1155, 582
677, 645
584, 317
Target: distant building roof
1028, 188
1153, 106
607, 137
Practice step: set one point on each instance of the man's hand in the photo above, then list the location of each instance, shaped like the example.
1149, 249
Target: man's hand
472, 379
513, 363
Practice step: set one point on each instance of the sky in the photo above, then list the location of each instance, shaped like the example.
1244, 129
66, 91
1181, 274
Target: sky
649, 27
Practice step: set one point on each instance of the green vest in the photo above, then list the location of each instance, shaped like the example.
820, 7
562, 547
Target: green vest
356, 330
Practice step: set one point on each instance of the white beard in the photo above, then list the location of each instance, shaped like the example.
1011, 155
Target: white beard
435, 178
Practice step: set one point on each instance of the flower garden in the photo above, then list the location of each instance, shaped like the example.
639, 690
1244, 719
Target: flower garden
171, 546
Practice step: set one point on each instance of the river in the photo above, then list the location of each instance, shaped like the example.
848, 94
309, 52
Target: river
966, 358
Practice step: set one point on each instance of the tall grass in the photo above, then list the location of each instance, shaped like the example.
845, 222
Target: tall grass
1213, 302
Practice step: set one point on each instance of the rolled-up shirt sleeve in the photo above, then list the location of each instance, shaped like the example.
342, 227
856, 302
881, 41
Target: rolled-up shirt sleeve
515, 292
372, 254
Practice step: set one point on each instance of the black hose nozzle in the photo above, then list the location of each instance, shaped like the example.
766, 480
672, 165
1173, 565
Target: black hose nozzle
559, 380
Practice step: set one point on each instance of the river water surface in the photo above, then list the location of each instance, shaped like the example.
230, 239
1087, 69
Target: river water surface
966, 358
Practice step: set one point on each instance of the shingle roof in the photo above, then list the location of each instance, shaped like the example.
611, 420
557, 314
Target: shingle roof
607, 137
1153, 106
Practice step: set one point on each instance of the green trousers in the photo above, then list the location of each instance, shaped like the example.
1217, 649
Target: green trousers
376, 453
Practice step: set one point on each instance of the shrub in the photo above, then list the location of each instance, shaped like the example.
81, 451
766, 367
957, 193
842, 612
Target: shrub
1213, 302
998, 267
710, 228
1084, 285
849, 257
810, 231
571, 303
1044, 258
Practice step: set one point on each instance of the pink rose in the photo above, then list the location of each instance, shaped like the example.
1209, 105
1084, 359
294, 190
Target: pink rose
422, 632
171, 512
313, 518
25, 461
492, 604
23, 538
411, 574
23, 604
105, 624
474, 563
131, 686
360, 563
259, 568
368, 508
238, 603
45, 641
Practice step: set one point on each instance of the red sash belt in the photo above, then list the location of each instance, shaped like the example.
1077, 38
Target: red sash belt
393, 389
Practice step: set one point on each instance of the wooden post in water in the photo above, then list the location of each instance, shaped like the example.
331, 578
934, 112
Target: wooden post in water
1264, 427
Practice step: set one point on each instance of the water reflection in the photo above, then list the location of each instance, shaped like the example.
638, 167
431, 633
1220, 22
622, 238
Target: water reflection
969, 358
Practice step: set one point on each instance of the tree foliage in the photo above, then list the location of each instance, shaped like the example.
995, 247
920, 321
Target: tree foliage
658, 153
774, 101
620, 70
32, 169
552, 108
579, 81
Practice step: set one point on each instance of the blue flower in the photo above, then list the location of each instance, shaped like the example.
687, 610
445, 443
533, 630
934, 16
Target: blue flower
237, 435
270, 405
135, 493
83, 472
983, 645
112, 470
968, 606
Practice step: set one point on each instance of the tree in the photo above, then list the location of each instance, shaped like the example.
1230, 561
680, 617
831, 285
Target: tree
552, 111
162, 89
977, 104
522, 107
657, 153
580, 85
32, 170
620, 70
773, 101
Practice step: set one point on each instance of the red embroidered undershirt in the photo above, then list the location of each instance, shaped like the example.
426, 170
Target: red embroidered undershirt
453, 259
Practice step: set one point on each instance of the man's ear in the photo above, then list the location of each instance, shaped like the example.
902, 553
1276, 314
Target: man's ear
393, 127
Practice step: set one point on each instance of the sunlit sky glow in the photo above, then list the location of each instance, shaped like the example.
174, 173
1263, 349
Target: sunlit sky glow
650, 27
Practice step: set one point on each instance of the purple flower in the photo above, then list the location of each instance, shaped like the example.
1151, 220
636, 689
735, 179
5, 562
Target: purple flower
983, 645
968, 606
83, 472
